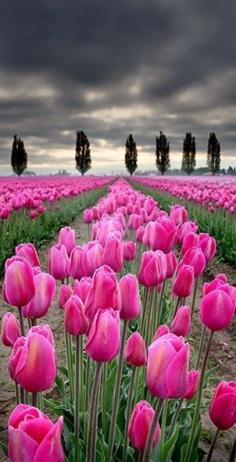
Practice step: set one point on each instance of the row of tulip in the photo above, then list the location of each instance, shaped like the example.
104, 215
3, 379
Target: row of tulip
129, 387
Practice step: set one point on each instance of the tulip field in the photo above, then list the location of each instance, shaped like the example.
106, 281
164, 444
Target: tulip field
117, 320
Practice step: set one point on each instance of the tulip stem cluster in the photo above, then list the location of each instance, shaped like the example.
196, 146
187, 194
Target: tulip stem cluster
93, 415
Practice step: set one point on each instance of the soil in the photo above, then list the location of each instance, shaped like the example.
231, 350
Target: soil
223, 352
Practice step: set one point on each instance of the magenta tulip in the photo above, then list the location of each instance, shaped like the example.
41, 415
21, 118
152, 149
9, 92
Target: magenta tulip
65, 292
45, 288
75, 320
181, 324
167, 367
18, 288
81, 287
223, 405
28, 251
58, 262
195, 257
32, 436
139, 425
161, 330
192, 386
183, 283
208, 246
171, 264
135, 350
79, 266
216, 310
10, 329
113, 254
130, 297
129, 250
103, 340
163, 235
67, 238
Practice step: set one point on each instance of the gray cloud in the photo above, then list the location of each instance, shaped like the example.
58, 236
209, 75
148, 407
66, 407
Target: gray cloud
112, 68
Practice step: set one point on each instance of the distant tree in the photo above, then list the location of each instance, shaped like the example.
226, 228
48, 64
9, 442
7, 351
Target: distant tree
213, 154
131, 155
189, 153
82, 156
18, 156
162, 153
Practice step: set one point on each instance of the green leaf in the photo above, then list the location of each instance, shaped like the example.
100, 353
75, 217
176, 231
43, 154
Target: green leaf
168, 448
3, 447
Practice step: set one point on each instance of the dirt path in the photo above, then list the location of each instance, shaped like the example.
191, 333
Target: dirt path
223, 351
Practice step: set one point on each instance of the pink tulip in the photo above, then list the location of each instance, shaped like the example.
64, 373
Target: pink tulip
167, 367
139, 234
45, 288
87, 216
18, 288
79, 266
103, 340
179, 214
139, 425
103, 293
129, 250
29, 252
58, 262
208, 247
130, 297
196, 259
10, 329
163, 235
32, 436
153, 268
65, 292
216, 310
32, 362
75, 320
81, 288
135, 350
183, 283
171, 264
113, 254
181, 324
94, 252
189, 241
67, 238
161, 330
193, 380
223, 405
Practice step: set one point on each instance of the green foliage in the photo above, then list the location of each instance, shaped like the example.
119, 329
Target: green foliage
20, 228
131, 155
189, 153
18, 156
213, 154
83, 153
162, 153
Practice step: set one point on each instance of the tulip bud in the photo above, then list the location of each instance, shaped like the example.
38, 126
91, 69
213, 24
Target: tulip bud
208, 247
161, 330
32, 436
32, 362
29, 252
139, 425
181, 324
216, 310
223, 405
10, 329
87, 216
163, 235
18, 288
171, 264
167, 367
193, 380
113, 254
129, 250
103, 340
65, 292
189, 241
135, 350
130, 297
183, 283
45, 288
153, 268
58, 262
179, 214
67, 238
75, 320
196, 259
81, 288
78, 266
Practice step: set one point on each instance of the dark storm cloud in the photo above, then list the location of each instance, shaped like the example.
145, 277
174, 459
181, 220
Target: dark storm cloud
111, 67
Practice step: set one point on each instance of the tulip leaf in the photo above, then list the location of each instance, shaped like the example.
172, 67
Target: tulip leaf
3, 447
167, 450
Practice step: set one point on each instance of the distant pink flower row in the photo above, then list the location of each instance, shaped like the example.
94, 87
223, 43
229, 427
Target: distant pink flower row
35, 193
211, 192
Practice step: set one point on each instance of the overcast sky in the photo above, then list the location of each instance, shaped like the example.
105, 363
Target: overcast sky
112, 68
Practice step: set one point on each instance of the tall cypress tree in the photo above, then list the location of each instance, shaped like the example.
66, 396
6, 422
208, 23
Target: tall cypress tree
83, 153
189, 153
213, 154
19, 156
131, 155
162, 153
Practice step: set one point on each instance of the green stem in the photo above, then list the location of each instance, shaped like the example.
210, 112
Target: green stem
34, 399
77, 395
116, 393
175, 417
198, 402
194, 297
17, 393
176, 306
81, 387
22, 395
104, 393
201, 346
160, 304
128, 411
91, 439
68, 359
233, 452
212, 445
149, 442
163, 429
87, 382
22, 327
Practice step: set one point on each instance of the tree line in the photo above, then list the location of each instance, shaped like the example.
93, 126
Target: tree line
83, 161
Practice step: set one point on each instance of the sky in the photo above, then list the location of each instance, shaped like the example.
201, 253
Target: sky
112, 68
